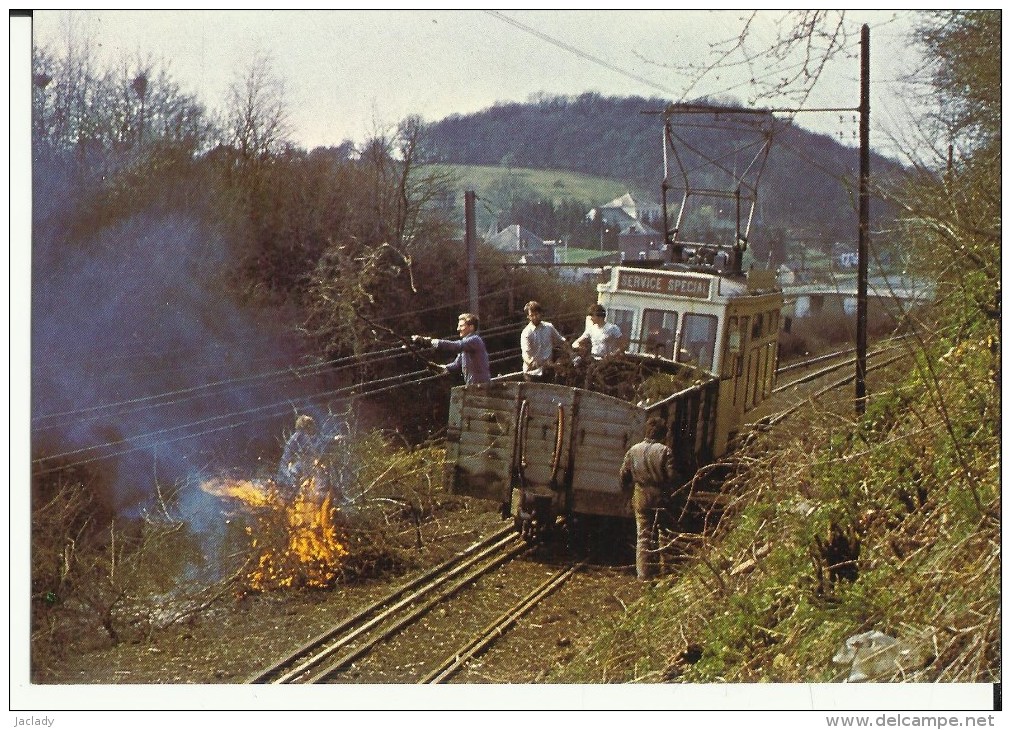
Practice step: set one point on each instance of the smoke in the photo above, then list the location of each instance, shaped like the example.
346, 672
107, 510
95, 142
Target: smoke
143, 364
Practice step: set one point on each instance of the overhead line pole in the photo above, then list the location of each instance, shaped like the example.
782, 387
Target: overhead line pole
471, 244
864, 225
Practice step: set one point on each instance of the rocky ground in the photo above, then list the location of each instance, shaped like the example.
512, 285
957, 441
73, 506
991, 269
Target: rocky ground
236, 637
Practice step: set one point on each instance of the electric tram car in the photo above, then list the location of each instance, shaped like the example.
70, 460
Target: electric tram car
700, 352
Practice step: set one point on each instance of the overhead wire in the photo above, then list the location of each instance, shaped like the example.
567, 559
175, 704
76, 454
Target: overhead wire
286, 372
290, 371
773, 70
143, 404
578, 52
267, 411
587, 56
303, 370
271, 410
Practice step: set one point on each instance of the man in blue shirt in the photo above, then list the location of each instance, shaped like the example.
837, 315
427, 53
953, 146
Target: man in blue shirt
301, 464
471, 353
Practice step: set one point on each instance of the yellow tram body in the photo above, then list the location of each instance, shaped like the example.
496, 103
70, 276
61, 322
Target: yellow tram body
726, 326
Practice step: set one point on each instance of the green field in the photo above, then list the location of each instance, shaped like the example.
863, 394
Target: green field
580, 255
554, 185
497, 186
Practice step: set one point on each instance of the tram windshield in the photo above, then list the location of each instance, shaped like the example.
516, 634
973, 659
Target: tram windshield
622, 318
698, 340
657, 335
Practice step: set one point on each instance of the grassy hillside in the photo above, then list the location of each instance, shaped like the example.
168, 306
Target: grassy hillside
805, 189
498, 186
553, 185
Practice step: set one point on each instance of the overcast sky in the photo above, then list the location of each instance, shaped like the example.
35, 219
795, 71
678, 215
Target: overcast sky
348, 73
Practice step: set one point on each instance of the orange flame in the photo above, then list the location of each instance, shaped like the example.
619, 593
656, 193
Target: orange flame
298, 542
251, 493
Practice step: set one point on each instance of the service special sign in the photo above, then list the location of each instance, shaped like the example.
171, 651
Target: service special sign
662, 283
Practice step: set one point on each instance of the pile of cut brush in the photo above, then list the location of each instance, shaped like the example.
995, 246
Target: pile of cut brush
628, 377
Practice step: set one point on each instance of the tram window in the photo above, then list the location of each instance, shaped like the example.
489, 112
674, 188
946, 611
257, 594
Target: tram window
698, 340
770, 371
743, 339
657, 335
749, 367
753, 381
732, 348
622, 318
763, 381
756, 327
733, 336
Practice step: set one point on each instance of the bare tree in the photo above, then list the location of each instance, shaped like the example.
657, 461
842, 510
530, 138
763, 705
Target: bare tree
65, 81
80, 106
372, 255
785, 64
257, 113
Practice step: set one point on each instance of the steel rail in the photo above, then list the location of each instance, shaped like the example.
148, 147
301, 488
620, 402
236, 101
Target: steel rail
776, 418
826, 370
814, 360
338, 665
832, 355
282, 672
498, 627
268, 674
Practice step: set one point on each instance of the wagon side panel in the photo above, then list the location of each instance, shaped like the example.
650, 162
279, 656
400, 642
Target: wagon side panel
481, 441
603, 431
546, 413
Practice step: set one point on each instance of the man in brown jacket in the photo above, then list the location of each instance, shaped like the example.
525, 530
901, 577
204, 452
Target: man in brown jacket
649, 466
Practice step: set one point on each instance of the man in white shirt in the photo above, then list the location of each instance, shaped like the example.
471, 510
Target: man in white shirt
538, 341
605, 338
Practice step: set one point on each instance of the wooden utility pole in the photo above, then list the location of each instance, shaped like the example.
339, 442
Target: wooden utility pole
471, 243
864, 232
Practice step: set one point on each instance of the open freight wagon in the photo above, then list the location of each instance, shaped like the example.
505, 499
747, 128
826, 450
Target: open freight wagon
700, 353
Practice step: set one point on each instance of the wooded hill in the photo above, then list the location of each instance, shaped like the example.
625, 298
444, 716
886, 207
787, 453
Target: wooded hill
805, 193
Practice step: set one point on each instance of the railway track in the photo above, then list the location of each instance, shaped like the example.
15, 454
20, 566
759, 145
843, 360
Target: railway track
880, 356
456, 661
328, 656
787, 398
886, 345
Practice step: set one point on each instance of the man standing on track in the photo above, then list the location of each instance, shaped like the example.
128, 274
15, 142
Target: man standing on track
649, 466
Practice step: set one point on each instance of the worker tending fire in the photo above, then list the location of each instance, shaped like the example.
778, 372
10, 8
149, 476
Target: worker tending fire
294, 531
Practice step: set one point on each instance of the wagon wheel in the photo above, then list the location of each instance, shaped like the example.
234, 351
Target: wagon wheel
577, 537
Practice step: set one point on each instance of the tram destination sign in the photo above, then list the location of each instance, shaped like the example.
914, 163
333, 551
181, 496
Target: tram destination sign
663, 283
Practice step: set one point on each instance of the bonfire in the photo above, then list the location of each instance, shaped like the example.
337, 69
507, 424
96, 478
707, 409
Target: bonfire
295, 542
